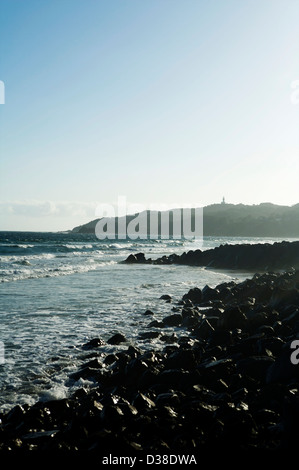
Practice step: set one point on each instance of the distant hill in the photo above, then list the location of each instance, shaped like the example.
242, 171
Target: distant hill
238, 220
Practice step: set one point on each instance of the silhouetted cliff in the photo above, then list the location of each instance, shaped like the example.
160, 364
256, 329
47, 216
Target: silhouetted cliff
239, 220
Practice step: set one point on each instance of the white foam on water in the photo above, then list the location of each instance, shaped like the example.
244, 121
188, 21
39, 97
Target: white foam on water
68, 297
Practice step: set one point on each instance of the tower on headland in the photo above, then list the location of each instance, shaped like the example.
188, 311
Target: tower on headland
223, 200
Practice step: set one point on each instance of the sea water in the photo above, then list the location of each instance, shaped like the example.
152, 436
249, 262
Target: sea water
59, 290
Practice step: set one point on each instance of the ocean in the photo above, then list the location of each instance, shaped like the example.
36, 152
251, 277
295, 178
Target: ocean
60, 290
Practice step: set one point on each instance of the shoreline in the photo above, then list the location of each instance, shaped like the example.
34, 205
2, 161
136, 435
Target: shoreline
230, 384
262, 257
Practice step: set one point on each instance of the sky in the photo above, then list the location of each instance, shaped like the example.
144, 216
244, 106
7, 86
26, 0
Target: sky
155, 101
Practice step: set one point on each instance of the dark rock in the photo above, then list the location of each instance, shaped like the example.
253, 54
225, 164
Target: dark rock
40, 435
283, 370
118, 338
148, 312
142, 402
209, 294
255, 367
93, 343
156, 324
282, 297
110, 358
148, 378
266, 329
112, 416
94, 364
273, 344
137, 258
173, 320
61, 408
195, 295
221, 368
292, 319
204, 330
184, 359
165, 297
256, 257
256, 319
149, 335
174, 377
169, 398
228, 383
221, 337
232, 318
173, 338
140, 257
86, 373
131, 259
15, 414
134, 352
135, 368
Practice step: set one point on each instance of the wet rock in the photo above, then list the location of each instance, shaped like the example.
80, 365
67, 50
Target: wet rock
148, 378
204, 330
174, 377
282, 297
135, 368
156, 324
94, 364
149, 335
137, 258
218, 369
292, 319
257, 257
116, 339
173, 338
93, 343
195, 295
209, 294
173, 320
142, 402
256, 319
255, 366
131, 259
133, 351
85, 373
228, 382
15, 414
112, 416
232, 318
273, 344
148, 312
170, 398
165, 297
221, 337
283, 370
110, 359
40, 435
184, 359
190, 321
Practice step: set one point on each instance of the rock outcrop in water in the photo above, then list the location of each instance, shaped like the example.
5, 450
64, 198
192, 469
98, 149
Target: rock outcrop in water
255, 257
223, 382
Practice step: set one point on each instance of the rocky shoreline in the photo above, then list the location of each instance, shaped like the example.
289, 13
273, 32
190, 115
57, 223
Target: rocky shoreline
250, 257
227, 385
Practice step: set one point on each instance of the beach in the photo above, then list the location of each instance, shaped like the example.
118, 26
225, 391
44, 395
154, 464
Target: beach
215, 369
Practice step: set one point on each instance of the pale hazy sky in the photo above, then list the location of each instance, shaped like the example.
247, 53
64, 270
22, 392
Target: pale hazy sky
160, 101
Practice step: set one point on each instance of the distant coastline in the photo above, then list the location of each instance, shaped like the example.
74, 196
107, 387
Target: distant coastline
234, 220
